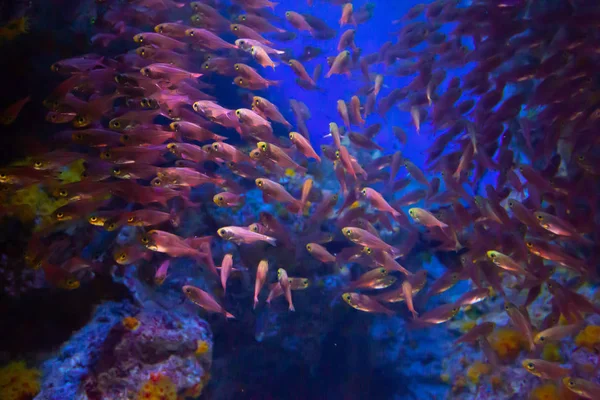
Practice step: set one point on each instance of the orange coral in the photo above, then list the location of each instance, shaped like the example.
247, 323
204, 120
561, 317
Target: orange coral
17, 382
158, 387
202, 347
476, 370
131, 323
507, 343
546, 391
589, 337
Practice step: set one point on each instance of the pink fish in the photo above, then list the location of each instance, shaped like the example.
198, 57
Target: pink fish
204, 300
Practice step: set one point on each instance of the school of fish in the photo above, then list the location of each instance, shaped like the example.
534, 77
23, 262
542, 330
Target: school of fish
147, 131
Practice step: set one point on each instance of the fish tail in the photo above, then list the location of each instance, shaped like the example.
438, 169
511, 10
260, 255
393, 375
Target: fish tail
272, 241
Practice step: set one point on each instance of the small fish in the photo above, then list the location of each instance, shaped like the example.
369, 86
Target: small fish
362, 302
239, 235
284, 282
161, 272
557, 333
520, 322
204, 300
10, 114
261, 278
320, 253
583, 388
226, 267
545, 369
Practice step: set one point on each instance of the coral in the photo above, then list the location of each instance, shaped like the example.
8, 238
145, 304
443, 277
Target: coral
478, 369
158, 387
507, 343
546, 391
551, 352
14, 28
202, 348
17, 382
588, 338
105, 360
131, 323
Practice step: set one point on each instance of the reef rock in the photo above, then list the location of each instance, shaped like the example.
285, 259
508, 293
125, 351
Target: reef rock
123, 348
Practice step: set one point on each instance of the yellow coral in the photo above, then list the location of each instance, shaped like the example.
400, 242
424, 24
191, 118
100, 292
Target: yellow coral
158, 387
14, 28
202, 347
547, 391
507, 343
476, 370
131, 323
290, 172
589, 337
467, 326
551, 352
17, 382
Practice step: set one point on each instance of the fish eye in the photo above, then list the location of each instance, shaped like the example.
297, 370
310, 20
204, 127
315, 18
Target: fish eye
130, 219
122, 256
254, 228
188, 290
241, 82
220, 198
455, 310
259, 182
140, 38
142, 52
291, 63
308, 247
221, 232
571, 383
156, 182
84, 174
38, 164
215, 146
335, 197
80, 120
63, 193
305, 281
542, 339
125, 138
291, 136
2, 176
493, 255
243, 18
206, 66
160, 29
93, 218
116, 171
263, 147
348, 232
364, 192
235, 27
581, 157
337, 154
106, 154
145, 240
111, 226
383, 271
59, 215
530, 366
236, 67
528, 244
191, 33
287, 13
116, 124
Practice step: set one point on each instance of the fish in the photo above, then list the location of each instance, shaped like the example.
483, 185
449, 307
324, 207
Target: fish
362, 302
241, 235
204, 300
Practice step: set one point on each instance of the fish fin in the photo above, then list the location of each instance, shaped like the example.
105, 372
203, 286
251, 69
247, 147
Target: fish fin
272, 241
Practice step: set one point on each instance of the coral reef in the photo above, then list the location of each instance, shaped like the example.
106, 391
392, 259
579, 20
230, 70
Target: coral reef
106, 360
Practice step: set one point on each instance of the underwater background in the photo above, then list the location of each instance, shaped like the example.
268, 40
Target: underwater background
312, 199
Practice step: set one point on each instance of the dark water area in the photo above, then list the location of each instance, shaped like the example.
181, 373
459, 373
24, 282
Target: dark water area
444, 246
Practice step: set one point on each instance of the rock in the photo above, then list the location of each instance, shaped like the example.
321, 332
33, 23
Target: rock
107, 360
